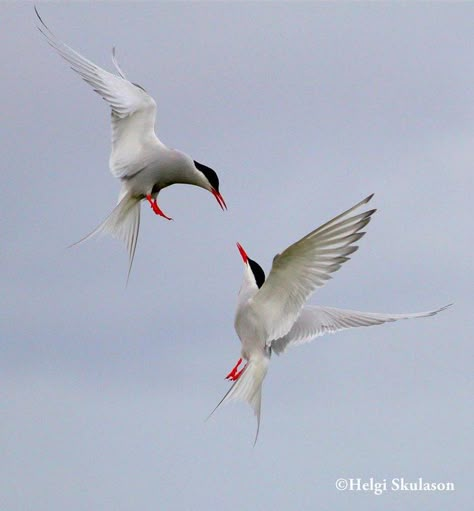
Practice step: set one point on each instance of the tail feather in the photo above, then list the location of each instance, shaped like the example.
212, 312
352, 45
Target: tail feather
249, 388
123, 223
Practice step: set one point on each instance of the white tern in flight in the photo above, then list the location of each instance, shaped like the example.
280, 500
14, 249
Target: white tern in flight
139, 159
271, 314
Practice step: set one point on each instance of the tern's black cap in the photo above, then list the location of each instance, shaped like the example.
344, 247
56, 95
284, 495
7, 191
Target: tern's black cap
209, 173
258, 272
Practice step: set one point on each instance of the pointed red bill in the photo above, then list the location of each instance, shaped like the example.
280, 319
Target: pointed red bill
244, 255
219, 198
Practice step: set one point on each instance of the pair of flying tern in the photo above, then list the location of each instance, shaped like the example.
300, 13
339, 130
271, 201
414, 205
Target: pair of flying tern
271, 313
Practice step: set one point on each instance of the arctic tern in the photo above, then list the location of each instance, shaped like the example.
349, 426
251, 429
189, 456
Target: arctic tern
271, 314
139, 159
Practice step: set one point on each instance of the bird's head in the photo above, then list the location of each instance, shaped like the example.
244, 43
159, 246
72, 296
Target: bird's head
210, 182
254, 271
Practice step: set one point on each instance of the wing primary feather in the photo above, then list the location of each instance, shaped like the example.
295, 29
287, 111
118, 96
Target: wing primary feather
342, 215
306, 265
122, 96
315, 321
116, 64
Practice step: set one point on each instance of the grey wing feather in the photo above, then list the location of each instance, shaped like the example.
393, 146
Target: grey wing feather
133, 110
123, 97
316, 321
305, 266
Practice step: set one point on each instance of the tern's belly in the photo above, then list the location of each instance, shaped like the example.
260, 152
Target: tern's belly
250, 330
149, 180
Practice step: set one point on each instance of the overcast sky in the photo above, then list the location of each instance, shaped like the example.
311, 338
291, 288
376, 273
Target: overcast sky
303, 110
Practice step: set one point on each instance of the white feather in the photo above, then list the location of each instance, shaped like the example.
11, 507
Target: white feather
133, 110
316, 321
123, 224
116, 64
248, 387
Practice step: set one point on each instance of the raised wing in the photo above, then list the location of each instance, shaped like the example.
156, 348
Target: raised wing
133, 110
303, 267
316, 321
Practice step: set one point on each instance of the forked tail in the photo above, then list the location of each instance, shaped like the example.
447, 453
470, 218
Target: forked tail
249, 387
123, 223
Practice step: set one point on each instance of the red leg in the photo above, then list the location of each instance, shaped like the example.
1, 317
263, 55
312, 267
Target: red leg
239, 374
233, 372
155, 207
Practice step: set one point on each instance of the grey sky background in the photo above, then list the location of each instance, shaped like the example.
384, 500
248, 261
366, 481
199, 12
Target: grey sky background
303, 110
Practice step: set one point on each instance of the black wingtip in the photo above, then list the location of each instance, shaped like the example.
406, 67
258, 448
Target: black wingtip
38, 15
42, 22
445, 307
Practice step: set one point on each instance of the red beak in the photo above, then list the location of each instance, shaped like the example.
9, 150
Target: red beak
244, 255
219, 199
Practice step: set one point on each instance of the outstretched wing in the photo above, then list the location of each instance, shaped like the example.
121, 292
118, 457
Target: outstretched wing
316, 321
133, 110
304, 266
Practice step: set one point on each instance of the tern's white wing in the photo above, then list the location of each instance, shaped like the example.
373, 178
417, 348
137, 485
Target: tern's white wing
303, 267
316, 321
133, 110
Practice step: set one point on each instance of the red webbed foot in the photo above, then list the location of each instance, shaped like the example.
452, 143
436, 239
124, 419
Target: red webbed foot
235, 373
156, 208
